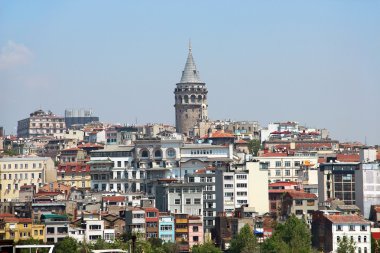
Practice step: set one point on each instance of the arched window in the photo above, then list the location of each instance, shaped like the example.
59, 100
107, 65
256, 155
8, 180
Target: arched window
179, 100
158, 153
171, 152
359, 238
365, 238
199, 98
338, 238
145, 154
186, 99
192, 99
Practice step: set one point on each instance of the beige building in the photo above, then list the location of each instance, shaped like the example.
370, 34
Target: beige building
40, 123
16, 172
258, 196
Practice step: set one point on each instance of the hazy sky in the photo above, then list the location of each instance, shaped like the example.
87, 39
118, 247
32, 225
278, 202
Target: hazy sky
315, 62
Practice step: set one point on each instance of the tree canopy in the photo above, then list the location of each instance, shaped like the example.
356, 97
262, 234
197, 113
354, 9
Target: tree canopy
292, 236
346, 246
244, 242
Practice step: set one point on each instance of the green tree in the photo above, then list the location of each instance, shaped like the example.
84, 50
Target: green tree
32, 241
254, 146
245, 241
346, 246
207, 247
67, 245
292, 236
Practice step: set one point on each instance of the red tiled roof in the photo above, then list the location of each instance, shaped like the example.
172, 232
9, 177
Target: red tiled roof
322, 160
280, 190
301, 195
218, 134
348, 158
282, 184
241, 142
352, 219
114, 198
25, 220
3, 215
274, 154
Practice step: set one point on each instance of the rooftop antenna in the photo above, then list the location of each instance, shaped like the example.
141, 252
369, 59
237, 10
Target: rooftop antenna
189, 45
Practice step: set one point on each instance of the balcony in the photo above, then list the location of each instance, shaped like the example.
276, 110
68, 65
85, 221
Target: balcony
181, 221
181, 230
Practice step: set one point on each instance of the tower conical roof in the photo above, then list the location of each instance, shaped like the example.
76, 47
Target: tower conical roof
190, 73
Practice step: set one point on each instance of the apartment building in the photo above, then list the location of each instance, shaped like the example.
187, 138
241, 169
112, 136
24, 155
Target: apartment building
111, 170
157, 157
94, 226
166, 227
135, 222
367, 187
40, 123
301, 204
16, 172
74, 174
196, 235
56, 227
152, 220
243, 187
284, 168
16, 229
203, 155
180, 198
336, 180
329, 229
206, 179
182, 231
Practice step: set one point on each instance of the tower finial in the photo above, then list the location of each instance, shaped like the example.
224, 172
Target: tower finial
189, 45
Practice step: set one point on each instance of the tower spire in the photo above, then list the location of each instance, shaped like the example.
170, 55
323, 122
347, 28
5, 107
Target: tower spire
190, 73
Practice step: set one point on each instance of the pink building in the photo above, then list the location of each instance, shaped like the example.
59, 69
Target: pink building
196, 235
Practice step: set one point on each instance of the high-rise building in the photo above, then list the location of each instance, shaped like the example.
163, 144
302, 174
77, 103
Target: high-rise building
190, 98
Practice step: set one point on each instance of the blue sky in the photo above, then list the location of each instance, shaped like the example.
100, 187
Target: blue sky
315, 62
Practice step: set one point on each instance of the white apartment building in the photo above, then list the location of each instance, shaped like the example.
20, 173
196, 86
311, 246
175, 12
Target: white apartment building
203, 155
242, 187
94, 226
18, 171
367, 187
119, 174
288, 168
231, 190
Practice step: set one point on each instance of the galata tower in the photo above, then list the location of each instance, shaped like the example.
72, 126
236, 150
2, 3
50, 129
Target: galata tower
190, 98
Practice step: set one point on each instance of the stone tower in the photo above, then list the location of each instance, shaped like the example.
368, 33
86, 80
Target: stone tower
190, 98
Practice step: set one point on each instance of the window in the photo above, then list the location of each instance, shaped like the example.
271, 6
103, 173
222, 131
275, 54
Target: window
338, 238
297, 163
50, 230
25, 225
195, 238
177, 201
352, 228
287, 163
339, 228
228, 194
242, 193
365, 249
365, 238
157, 153
298, 202
359, 238
171, 153
197, 201
299, 212
287, 172
188, 201
241, 176
228, 186
151, 214
195, 229
166, 227
241, 185
363, 228
278, 172
228, 177
191, 179
118, 163
278, 163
